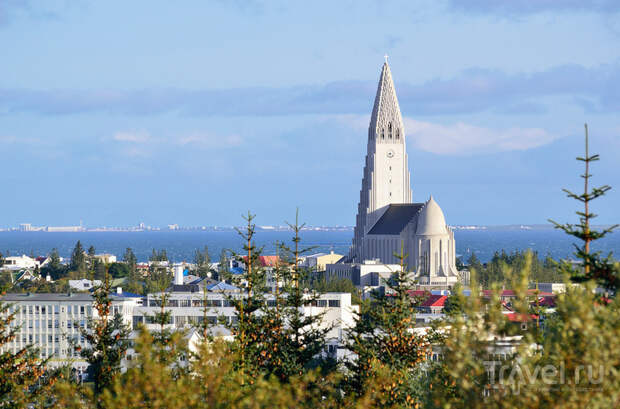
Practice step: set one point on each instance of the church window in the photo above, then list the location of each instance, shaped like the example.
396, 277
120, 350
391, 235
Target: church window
382, 134
397, 134
390, 130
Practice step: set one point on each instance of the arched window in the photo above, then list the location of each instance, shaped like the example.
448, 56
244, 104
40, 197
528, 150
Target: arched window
390, 130
382, 134
397, 134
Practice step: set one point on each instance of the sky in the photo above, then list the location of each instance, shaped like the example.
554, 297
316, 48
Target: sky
194, 112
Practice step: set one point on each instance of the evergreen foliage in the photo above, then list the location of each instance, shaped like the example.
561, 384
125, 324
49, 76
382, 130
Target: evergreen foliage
544, 271
297, 339
604, 271
202, 259
107, 336
384, 335
78, 258
24, 380
250, 339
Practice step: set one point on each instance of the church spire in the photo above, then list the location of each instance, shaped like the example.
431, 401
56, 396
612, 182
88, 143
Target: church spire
386, 122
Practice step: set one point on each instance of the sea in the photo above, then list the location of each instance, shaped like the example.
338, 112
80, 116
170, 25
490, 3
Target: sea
181, 245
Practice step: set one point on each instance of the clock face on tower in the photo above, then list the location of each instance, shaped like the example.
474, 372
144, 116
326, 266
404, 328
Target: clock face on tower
390, 153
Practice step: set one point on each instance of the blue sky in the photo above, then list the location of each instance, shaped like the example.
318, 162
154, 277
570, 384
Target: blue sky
193, 112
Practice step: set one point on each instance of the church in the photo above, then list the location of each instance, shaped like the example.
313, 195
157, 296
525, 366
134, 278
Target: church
387, 218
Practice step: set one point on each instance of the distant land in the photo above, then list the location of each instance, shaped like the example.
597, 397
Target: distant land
175, 227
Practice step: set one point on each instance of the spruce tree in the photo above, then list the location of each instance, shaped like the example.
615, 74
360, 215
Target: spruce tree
302, 336
169, 347
601, 270
78, 259
384, 338
22, 381
130, 258
203, 262
248, 328
107, 337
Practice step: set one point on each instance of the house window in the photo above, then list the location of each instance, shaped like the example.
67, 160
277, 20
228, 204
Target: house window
334, 303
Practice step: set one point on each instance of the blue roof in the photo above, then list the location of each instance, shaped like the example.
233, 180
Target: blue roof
221, 286
237, 270
126, 294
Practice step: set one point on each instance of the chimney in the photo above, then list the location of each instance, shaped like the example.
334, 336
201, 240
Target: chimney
178, 275
119, 290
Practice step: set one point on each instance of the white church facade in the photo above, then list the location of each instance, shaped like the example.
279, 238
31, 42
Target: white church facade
388, 220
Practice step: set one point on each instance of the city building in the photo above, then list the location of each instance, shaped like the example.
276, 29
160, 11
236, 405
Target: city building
52, 322
83, 284
16, 263
319, 261
105, 258
368, 275
388, 222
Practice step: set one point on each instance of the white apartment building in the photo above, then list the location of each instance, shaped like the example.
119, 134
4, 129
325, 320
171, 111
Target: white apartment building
188, 309
52, 322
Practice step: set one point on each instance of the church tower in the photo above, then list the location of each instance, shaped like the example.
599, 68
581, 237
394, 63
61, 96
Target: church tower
386, 171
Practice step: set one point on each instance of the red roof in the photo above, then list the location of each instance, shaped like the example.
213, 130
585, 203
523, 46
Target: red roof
266, 261
435, 301
518, 317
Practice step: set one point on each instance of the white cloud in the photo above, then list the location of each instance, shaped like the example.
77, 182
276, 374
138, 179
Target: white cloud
7, 139
132, 136
208, 140
464, 139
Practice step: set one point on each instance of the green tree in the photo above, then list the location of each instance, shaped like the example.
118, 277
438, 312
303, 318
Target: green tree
249, 326
91, 251
130, 258
78, 258
223, 270
107, 337
604, 271
118, 270
203, 262
300, 334
54, 268
383, 338
22, 380
99, 270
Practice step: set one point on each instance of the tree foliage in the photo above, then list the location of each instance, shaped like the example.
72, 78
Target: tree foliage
78, 258
384, 334
24, 379
107, 336
603, 270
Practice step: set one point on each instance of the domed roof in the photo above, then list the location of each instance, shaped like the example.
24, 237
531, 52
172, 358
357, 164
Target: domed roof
431, 220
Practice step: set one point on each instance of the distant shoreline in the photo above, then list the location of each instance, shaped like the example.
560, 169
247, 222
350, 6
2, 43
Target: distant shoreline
211, 229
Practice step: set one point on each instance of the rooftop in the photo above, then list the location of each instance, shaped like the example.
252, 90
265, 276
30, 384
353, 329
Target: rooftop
395, 218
